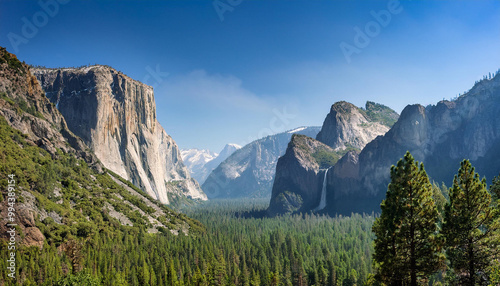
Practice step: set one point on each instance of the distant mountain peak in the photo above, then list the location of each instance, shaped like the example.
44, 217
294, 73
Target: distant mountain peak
343, 107
201, 162
249, 172
230, 146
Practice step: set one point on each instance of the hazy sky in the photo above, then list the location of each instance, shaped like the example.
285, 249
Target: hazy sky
232, 70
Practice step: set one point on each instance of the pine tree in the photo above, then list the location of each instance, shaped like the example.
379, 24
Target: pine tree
199, 279
332, 274
439, 198
495, 189
255, 280
470, 227
407, 247
172, 276
322, 275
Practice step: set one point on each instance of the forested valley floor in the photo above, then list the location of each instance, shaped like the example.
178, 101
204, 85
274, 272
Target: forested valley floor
235, 249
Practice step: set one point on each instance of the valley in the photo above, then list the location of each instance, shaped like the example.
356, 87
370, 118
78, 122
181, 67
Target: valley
129, 155
97, 226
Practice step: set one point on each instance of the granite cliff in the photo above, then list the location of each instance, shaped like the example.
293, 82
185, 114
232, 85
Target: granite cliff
300, 173
26, 109
349, 126
116, 117
53, 180
298, 180
438, 135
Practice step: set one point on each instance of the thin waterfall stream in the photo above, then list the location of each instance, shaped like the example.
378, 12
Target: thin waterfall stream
322, 202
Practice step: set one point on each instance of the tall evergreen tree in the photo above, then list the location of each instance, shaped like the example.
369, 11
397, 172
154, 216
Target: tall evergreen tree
470, 227
407, 247
495, 188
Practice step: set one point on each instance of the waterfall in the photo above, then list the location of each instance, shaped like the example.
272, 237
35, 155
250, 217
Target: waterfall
322, 202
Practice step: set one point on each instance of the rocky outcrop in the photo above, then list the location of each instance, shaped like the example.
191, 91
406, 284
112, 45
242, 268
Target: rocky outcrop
24, 105
26, 231
249, 172
299, 179
438, 135
116, 117
349, 126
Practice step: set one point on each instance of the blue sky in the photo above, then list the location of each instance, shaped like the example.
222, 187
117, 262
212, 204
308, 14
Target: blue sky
264, 66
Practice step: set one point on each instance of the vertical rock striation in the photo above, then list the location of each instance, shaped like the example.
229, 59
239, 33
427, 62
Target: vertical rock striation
298, 181
116, 117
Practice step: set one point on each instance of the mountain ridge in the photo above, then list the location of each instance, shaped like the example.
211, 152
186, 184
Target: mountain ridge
62, 191
249, 172
438, 135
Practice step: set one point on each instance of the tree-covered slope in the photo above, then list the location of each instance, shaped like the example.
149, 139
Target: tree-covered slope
60, 198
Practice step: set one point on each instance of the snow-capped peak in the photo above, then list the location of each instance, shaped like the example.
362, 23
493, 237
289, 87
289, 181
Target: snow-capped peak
201, 162
297, 130
194, 157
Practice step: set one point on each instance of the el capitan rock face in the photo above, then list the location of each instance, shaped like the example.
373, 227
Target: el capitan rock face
116, 116
33, 114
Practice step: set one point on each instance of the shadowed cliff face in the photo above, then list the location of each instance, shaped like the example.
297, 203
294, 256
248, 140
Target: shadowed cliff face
116, 116
440, 136
298, 181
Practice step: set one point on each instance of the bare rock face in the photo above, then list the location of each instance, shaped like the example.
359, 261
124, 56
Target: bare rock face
298, 181
349, 126
25, 231
33, 237
29, 111
439, 135
116, 116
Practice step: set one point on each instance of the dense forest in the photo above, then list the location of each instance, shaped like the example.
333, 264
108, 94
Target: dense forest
228, 243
